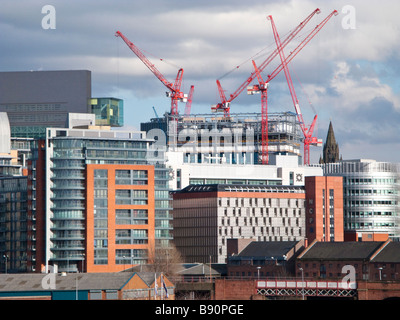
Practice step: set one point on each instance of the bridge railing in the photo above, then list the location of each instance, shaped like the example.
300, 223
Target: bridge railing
306, 284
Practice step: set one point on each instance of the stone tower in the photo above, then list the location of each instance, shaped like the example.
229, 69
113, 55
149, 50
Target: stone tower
331, 148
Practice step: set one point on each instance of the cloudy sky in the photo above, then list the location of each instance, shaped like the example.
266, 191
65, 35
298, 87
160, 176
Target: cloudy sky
348, 74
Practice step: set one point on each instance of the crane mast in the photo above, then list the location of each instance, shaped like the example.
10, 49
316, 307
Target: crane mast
307, 132
262, 88
188, 105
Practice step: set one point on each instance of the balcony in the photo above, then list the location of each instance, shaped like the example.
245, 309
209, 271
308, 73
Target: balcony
63, 225
68, 236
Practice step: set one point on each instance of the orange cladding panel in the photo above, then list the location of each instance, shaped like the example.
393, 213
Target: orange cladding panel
111, 266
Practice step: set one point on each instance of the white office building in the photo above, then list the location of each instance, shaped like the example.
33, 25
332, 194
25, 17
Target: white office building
371, 195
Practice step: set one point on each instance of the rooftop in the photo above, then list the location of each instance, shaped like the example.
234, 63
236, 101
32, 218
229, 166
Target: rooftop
389, 254
86, 281
272, 249
193, 188
351, 250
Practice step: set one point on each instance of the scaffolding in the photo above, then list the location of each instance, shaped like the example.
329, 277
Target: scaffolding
221, 139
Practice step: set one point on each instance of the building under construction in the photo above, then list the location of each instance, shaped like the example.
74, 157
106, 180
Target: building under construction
209, 138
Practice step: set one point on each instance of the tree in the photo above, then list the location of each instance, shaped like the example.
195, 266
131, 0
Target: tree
165, 260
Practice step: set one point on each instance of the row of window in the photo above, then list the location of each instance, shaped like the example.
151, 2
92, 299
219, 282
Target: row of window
36, 117
369, 213
366, 203
131, 174
257, 221
131, 197
122, 256
235, 181
260, 202
122, 236
120, 154
31, 107
369, 192
135, 174
355, 181
357, 225
80, 143
70, 163
260, 231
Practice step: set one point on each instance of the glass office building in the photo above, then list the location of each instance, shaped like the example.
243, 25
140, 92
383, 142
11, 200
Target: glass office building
108, 111
370, 195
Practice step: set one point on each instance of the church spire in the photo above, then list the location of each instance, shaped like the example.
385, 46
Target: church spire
331, 148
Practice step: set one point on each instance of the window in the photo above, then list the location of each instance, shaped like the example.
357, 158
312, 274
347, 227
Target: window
100, 173
131, 216
130, 236
322, 271
131, 177
136, 197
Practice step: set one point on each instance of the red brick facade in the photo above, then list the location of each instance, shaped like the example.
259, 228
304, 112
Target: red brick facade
324, 208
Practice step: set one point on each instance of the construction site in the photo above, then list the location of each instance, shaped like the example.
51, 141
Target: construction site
207, 138
238, 138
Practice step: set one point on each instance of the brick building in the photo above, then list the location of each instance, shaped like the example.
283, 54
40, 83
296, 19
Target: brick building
324, 208
372, 260
385, 264
260, 259
206, 216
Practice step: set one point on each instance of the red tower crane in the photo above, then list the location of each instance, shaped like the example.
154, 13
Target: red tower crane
307, 132
188, 105
174, 88
262, 88
224, 105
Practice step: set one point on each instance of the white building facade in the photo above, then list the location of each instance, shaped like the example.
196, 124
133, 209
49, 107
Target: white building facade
370, 195
282, 170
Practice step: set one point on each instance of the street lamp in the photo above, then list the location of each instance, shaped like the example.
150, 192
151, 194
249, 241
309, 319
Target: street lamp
258, 272
83, 262
5, 257
380, 273
302, 282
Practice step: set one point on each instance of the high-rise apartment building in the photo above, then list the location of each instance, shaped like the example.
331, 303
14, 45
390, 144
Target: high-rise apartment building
105, 200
